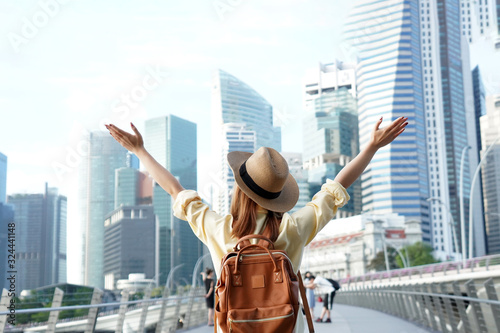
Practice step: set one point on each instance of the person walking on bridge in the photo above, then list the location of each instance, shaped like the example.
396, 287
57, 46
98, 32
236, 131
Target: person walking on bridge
328, 288
264, 192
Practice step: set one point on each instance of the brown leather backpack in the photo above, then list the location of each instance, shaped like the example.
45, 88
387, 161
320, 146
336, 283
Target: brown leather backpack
257, 290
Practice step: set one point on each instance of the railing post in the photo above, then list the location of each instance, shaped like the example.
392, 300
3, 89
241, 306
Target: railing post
414, 310
447, 305
403, 304
462, 310
173, 326
192, 295
476, 307
438, 306
421, 305
121, 312
92, 317
161, 319
144, 312
428, 306
492, 296
4, 302
56, 302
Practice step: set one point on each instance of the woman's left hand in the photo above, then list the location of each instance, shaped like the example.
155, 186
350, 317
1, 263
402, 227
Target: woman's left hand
129, 141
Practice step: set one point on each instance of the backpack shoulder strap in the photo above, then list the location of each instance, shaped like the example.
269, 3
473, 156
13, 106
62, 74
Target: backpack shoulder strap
305, 303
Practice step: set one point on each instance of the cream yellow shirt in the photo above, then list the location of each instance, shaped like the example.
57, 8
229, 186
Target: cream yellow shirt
296, 230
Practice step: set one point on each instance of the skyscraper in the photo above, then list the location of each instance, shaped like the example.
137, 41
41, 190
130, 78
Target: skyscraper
130, 243
298, 172
233, 101
450, 117
235, 137
238, 113
40, 238
172, 142
479, 103
386, 35
96, 199
126, 187
3, 177
477, 18
331, 128
490, 132
6, 217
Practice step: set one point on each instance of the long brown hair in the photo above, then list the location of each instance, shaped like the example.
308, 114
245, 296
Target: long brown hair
244, 212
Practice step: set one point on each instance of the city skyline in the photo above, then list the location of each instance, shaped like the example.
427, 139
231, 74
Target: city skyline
142, 61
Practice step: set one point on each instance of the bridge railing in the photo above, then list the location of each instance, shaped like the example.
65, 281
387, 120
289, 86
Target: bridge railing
471, 265
165, 314
443, 307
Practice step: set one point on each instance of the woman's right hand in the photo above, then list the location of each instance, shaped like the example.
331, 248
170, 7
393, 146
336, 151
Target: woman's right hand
131, 142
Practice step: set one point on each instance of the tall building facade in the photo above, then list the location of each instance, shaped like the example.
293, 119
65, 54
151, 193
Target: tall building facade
450, 119
386, 35
40, 238
296, 168
236, 105
96, 199
233, 101
330, 128
478, 18
3, 177
130, 244
126, 187
490, 132
172, 142
6, 217
235, 137
479, 103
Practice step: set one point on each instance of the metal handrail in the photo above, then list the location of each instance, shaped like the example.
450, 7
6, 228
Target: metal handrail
426, 269
120, 308
439, 306
463, 298
89, 306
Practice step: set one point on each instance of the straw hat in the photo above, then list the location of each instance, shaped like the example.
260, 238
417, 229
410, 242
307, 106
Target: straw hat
264, 177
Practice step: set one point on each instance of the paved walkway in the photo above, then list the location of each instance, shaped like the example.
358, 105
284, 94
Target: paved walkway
350, 319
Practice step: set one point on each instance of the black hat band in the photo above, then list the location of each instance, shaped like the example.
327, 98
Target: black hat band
254, 187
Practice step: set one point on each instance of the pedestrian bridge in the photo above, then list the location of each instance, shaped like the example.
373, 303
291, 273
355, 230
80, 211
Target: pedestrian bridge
449, 297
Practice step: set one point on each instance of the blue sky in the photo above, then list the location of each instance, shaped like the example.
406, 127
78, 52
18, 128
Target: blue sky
65, 69
64, 72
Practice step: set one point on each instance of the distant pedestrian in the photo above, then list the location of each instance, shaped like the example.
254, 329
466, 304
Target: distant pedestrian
328, 287
309, 285
208, 279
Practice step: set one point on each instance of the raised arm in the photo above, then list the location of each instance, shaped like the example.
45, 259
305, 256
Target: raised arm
380, 137
135, 144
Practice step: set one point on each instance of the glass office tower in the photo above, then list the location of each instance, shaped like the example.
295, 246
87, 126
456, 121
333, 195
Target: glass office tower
96, 199
386, 35
172, 142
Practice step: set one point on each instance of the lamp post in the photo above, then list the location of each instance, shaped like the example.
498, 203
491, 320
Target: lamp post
474, 178
451, 223
461, 195
403, 259
196, 267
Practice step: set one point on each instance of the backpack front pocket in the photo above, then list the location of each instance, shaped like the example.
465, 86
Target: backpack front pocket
268, 319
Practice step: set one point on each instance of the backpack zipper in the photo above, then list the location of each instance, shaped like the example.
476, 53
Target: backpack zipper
256, 320
261, 254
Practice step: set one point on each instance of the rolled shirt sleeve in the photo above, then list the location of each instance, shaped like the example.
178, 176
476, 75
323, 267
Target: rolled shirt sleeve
321, 210
211, 228
189, 207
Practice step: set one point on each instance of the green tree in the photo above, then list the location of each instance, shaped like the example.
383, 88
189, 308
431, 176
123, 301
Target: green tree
378, 262
419, 254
